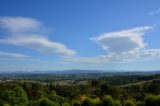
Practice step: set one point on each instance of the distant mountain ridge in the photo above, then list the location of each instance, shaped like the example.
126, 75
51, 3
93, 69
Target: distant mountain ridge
78, 71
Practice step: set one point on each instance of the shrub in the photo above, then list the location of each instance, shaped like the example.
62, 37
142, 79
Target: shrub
139, 103
107, 101
76, 103
129, 103
87, 102
117, 103
152, 100
47, 102
97, 102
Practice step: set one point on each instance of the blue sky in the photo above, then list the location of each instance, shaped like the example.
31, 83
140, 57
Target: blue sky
79, 34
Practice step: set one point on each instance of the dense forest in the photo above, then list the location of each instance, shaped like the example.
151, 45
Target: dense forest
80, 90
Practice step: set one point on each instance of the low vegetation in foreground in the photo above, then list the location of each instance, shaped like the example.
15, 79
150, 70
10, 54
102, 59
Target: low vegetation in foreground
80, 90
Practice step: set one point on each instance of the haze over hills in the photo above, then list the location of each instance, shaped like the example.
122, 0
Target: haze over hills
78, 71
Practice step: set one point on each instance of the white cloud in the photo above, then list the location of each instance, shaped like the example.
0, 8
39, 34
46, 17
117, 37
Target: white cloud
24, 32
20, 24
149, 53
121, 45
154, 12
38, 43
123, 41
12, 55
139, 55
126, 45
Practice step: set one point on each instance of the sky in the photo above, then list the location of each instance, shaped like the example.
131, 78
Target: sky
79, 34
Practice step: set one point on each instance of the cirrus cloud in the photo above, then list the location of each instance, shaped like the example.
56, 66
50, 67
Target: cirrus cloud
20, 24
24, 32
38, 43
12, 55
154, 12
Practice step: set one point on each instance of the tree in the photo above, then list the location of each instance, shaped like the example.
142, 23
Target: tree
66, 104
28, 89
139, 103
154, 87
14, 96
129, 103
95, 83
97, 102
107, 101
104, 89
47, 102
152, 100
117, 103
87, 102
77, 103
58, 99
114, 92
6, 104
37, 91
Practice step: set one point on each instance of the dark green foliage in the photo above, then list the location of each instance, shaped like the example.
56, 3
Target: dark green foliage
104, 89
58, 99
129, 103
97, 102
47, 102
67, 91
87, 102
66, 104
14, 96
108, 101
34, 93
95, 83
154, 87
139, 103
114, 92
117, 103
6, 105
76, 103
152, 100
34, 102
